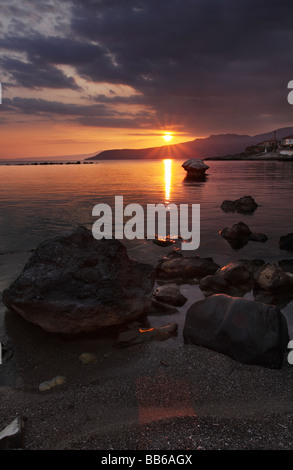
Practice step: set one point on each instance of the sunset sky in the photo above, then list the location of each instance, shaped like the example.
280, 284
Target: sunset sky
79, 77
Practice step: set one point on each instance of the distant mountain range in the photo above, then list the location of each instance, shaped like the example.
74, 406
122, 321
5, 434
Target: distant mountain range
212, 146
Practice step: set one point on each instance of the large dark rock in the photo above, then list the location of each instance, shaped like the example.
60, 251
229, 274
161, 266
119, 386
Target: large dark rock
235, 279
240, 234
244, 205
185, 268
286, 242
249, 332
75, 284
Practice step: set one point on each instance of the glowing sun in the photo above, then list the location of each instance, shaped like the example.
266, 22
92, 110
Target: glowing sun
167, 137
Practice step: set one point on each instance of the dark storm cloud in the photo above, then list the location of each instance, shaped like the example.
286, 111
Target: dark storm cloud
195, 60
90, 115
37, 74
201, 64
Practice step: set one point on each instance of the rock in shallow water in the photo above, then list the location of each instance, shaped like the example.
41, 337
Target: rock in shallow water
77, 284
185, 268
244, 205
170, 294
240, 234
249, 332
195, 168
235, 279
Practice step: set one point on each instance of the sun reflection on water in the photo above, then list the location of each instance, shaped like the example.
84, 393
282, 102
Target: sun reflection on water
168, 179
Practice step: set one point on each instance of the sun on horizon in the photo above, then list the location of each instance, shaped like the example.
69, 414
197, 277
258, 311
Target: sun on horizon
167, 136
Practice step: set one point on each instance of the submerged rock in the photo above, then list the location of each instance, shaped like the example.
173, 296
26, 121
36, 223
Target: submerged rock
240, 234
77, 284
235, 279
244, 205
250, 332
185, 268
195, 168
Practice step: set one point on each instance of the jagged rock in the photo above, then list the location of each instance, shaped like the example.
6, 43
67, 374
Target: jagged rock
250, 332
185, 268
170, 294
240, 234
141, 335
195, 168
244, 205
11, 437
235, 279
77, 284
286, 242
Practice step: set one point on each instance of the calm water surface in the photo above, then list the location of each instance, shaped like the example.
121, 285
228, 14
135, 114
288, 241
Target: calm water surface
40, 202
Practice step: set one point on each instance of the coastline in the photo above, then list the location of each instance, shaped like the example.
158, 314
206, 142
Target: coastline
266, 156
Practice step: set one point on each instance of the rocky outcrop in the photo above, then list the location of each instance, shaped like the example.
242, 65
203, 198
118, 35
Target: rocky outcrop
249, 332
77, 284
195, 168
240, 234
244, 205
185, 268
235, 279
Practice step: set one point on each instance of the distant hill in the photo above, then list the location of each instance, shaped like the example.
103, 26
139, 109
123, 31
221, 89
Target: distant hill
212, 146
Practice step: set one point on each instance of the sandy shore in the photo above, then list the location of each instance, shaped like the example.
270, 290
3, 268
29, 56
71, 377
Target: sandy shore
153, 396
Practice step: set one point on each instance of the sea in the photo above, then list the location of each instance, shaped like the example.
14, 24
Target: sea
40, 202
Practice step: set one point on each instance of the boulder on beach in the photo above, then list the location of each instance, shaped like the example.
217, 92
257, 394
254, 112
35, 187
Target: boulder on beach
240, 234
243, 205
195, 168
235, 279
250, 332
77, 284
185, 268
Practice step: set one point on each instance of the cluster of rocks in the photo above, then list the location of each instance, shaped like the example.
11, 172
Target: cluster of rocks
76, 284
270, 283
